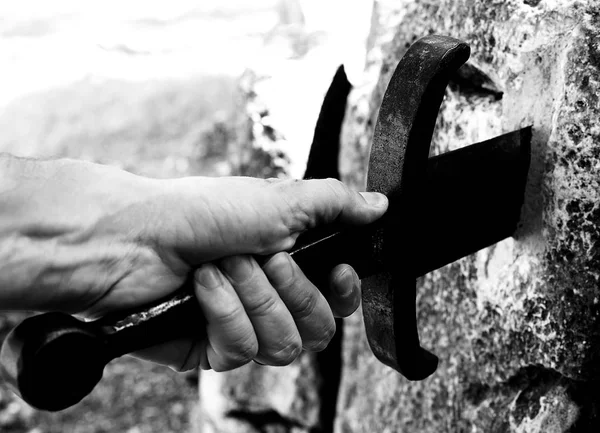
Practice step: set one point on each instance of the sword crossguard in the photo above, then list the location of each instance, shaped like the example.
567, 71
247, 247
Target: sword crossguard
444, 207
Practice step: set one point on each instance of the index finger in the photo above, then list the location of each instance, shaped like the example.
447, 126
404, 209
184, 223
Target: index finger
344, 293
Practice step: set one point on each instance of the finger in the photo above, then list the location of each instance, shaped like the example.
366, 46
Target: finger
344, 291
231, 340
308, 306
279, 341
182, 354
325, 201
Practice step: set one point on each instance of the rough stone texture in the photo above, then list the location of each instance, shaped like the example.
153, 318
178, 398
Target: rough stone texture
257, 398
515, 325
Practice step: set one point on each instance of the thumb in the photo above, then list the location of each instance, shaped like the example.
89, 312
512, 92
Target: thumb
326, 201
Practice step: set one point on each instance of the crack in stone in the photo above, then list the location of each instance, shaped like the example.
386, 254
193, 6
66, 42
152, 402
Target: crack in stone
471, 80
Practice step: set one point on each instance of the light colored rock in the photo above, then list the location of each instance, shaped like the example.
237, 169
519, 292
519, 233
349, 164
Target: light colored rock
527, 307
162, 128
257, 398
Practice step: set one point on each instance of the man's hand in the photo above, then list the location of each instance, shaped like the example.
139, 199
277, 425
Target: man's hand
89, 239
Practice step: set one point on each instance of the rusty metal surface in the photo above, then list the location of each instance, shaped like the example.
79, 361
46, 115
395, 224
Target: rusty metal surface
478, 190
397, 168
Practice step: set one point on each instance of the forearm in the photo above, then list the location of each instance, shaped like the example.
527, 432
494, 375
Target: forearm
48, 274
47, 211
55, 197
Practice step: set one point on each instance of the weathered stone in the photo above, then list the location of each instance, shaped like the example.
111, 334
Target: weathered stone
515, 325
257, 398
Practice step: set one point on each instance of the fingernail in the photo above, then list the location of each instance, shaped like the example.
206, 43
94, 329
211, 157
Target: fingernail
349, 283
280, 270
238, 268
375, 199
208, 276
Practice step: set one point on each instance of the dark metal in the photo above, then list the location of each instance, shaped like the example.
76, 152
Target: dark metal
471, 199
467, 200
323, 162
325, 148
440, 210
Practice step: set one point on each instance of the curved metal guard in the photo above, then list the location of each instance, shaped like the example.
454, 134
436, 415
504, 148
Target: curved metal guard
397, 168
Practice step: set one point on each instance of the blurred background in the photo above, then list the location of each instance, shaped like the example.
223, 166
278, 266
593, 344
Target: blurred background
165, 89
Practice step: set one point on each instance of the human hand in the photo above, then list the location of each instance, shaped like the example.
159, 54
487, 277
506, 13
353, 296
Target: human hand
143, 246
269, 313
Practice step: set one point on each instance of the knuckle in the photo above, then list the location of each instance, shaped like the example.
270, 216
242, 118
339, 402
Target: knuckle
304, 307
285, 354
239, 269
242, 354
230, 316
297, 217
337, 187
321, 344
264, 306
292, 210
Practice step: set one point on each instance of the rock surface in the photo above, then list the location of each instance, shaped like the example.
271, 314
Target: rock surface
515, 325
257, 398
